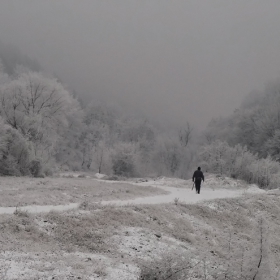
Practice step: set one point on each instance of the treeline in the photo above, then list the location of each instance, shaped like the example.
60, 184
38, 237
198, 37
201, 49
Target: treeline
11, 57
238, 162
247, 144
43, 128
256, 124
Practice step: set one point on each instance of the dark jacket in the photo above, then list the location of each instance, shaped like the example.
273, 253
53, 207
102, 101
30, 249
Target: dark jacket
198, 176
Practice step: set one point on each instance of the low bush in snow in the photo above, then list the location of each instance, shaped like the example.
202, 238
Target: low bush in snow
237, 162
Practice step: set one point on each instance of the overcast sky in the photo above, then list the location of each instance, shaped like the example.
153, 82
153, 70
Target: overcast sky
173, 60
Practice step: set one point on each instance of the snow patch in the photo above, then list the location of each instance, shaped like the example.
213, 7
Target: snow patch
46, 266
255, 189
123, 271
100, 176
145, 244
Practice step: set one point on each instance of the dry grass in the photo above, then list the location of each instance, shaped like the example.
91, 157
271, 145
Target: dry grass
228, 238
170, 266
217, 240
87, 233
158, 218
20, 191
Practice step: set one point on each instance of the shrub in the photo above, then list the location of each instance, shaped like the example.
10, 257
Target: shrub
123, 161
123, 166
237, 162
35, 168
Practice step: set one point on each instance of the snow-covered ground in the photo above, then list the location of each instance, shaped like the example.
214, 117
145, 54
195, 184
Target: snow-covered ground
214, 187
130, 242
181, 190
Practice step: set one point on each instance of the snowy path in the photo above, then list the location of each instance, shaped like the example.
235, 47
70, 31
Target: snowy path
185, 195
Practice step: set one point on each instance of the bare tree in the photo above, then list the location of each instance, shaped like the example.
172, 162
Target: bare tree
185, 134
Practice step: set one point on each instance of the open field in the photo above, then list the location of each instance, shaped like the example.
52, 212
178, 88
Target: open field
217, 239
58, 194
20, 191
224, 236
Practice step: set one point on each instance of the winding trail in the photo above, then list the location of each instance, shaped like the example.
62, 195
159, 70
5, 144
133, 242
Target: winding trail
185, 195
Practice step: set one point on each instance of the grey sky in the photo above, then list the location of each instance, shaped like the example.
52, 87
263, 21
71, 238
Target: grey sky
175, 60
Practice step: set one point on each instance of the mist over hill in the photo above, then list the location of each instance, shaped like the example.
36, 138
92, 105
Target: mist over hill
128, 88
11, 57
172, 61
46, 127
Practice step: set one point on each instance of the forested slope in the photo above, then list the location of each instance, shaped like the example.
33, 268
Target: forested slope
44, 128
246, 144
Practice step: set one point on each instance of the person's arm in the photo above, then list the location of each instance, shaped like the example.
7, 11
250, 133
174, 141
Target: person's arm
202, 177
193, 177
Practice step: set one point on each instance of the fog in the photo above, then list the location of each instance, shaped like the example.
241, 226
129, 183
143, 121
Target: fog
172, 61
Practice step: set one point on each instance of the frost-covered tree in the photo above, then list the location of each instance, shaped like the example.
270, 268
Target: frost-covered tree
167, 156
238, 162
16, 152
38, 107
31, 94
272, 145
253, 125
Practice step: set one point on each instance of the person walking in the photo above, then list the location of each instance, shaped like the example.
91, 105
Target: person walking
197, 178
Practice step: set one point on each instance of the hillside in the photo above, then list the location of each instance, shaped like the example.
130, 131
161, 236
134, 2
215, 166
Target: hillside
217, 239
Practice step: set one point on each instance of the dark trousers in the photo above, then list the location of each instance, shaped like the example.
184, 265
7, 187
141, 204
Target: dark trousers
197, 186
